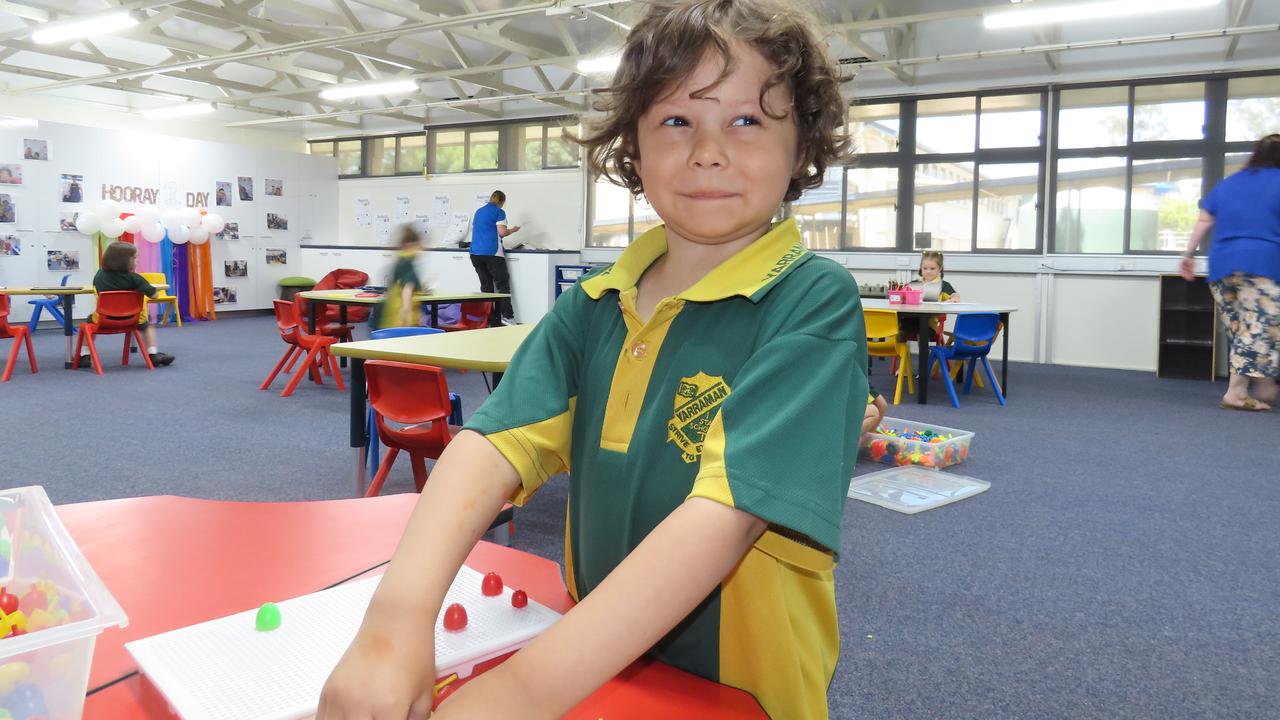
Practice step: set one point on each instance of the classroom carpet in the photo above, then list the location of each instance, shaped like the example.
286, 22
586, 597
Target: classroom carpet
1122, 565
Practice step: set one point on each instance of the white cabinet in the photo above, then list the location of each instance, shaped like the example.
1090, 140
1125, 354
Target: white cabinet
532, 278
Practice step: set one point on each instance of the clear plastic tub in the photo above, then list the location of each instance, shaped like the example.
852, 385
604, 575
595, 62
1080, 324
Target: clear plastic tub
892, 450
61, 602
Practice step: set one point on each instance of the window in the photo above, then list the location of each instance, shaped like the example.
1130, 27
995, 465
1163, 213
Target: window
482, 149
1168, 112
817, 212
561, 151
450, 152
874, 128
1010, 121
1253, 108
1093, 117
871, 207
1090, 205
411, 155
948, 125
610, 215
324, 147
349, 157
1164, 204
643, 217
944, 206
1008, 205
382, 156
530, 147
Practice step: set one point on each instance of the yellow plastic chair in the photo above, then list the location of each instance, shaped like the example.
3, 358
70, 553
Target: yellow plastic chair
162, 297
882, 341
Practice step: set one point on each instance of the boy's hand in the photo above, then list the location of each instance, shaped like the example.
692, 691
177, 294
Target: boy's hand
388, 673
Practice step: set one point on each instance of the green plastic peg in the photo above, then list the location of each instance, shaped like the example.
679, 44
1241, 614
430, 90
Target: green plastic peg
268, 617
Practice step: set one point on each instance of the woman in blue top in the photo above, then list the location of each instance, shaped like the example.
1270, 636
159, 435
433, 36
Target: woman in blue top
1243, 212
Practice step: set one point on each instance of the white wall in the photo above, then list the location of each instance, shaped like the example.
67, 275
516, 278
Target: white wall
174, 167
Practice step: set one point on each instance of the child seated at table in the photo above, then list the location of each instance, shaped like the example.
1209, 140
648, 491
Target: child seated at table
703, 390
930, 278
119, 261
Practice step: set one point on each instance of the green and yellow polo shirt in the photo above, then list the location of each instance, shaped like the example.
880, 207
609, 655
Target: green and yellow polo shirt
749, 389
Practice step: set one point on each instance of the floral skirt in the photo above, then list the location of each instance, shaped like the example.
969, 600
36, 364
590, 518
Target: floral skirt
1250, 307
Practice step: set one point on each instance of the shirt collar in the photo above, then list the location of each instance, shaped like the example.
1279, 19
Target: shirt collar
750, 273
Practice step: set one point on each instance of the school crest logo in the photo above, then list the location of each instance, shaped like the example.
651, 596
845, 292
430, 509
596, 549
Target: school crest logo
698, 399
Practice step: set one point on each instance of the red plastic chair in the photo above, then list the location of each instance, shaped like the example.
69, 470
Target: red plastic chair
317, 349
475, 315
117, 313
417, 397
287, 327
20, 334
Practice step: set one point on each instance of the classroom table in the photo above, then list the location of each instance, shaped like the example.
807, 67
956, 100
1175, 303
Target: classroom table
68, 293
487, 350
173, 561
343, 298
922, 312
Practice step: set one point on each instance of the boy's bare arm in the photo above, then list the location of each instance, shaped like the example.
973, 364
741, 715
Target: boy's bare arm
656, 587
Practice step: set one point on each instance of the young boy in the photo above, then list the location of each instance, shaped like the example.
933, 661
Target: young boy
119, 261
706, 390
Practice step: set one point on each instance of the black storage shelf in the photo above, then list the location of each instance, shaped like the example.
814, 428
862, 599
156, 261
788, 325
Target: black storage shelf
1188, 329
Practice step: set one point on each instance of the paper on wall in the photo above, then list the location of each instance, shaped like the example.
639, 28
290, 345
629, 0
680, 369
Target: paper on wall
363, 218
482, 199
382, 229
440, 210
403, 211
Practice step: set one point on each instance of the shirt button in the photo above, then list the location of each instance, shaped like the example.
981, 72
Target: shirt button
638, 351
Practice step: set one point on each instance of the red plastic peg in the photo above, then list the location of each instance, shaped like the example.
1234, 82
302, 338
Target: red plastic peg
455, 618
492, 585
519, 599
8, 602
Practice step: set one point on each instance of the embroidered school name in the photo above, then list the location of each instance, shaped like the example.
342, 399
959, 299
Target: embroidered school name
708, 399
795, 253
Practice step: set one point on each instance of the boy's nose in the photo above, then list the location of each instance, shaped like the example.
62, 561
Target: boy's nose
707, 152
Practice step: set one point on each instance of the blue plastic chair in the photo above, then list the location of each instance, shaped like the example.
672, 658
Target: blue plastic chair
974, 336
455, 402
53, 305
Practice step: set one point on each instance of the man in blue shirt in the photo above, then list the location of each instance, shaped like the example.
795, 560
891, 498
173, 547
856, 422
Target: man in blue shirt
488, 227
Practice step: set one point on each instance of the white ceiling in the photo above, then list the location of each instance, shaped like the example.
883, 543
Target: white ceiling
264, 61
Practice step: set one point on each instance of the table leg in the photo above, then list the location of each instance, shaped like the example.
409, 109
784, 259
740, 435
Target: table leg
312, 317
68, 301
497, 378
359, 439
342, 320
922, 336
435, 315
1004, 359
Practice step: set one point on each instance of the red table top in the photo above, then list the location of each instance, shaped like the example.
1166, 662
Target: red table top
173, 562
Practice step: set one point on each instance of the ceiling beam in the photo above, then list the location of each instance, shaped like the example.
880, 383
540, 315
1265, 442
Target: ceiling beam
1239, 11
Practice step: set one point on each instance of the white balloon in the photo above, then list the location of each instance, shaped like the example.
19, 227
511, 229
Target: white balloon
107, 210
131, 224
147, 216
153, 232
171, 220
88, 223
190, 217
214, 223
180, 236
199, 235
113, 228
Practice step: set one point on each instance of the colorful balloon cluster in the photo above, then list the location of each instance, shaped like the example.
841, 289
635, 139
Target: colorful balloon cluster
179, 226
916, 447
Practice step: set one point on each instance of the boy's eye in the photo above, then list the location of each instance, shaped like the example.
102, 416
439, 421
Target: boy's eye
675, 121
745, 120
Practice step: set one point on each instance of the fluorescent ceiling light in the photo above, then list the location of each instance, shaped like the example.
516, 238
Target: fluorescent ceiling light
174, 111
90, 27
346, 92
602, 65
8, 121
1032, 14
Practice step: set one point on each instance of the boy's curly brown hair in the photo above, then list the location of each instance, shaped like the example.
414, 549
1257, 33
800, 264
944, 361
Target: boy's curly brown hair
664, 47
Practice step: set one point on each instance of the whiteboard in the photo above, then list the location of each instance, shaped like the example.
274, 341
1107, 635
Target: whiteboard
547, 204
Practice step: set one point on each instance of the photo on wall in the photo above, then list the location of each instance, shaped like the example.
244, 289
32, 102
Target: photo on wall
35, 149
277, 222
273, 187
10, 246
224, 295
222, 196
10, 174
60, 260
277, 257
72, 188
236, 268
67, 221
246, 187
230, 231
8, 209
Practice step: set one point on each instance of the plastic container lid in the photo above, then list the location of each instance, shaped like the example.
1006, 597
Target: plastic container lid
910, 489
